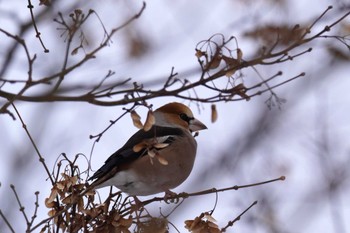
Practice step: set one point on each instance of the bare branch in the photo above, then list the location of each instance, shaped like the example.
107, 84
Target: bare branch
38, 34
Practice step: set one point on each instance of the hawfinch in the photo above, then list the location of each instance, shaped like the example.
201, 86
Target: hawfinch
155, 160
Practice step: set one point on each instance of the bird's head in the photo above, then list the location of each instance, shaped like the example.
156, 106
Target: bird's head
177, 115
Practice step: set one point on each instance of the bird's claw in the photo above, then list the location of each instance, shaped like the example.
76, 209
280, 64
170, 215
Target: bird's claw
171, 197
138, 204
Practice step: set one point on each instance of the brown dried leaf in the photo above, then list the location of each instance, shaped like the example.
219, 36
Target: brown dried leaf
73, 179
188, 224
230, 72
209, 218
115, 221
239, 55
80, 204
200, 53
342, 55
152, 225
90, 193
63, 227
150, 121
92, 213
75, 51
49, 204
43, 229
51, 212
212, 225
214, 62
126, 222
230, 61
202, 224
67, 200
345, 28
79, 186
45, 2
162, 160
152, 153
214, 113
241, 90
53, 194
136, 119
284, 34
160, 145
137, 45
65, 176
140, 146
61, 185
192, 224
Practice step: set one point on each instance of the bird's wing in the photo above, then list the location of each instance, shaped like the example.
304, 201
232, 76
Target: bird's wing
127, 154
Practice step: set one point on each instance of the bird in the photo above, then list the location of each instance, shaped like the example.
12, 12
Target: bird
157, 159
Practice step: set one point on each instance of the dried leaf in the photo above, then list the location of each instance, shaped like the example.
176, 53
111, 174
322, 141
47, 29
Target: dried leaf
140, 146
200, 53
192, 224
239, 55
90, 193
45, 2
152, 153
214, 113
49, 204
53, 195
80, 204
74, 179
241, 90
209, 218
137, 45
126, 222
162, 160
284, 34
345, 28
79, 186
43, 229
230, 72
150, 121
152, 225
161, 145
67, 200
341, 55
52, 212
212, 225
60, 185
75, 51
65, 176
230, 61
214, 62
136, 119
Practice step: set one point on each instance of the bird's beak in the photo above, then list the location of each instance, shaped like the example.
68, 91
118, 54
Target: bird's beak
196, 125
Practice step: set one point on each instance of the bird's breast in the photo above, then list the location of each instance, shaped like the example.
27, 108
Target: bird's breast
148, 175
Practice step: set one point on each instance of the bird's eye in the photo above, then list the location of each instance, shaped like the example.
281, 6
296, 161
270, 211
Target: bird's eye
186, 118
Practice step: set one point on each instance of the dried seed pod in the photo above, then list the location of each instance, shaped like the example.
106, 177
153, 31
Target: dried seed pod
136, 119
150, 121
214, 113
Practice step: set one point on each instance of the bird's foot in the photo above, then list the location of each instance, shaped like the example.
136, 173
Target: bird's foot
137, 204
171, 197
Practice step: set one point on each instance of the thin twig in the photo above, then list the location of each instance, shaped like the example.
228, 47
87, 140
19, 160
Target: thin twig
38, 34
204, 192
21, 207
7, 222
41, 158
36, 209
230, 223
